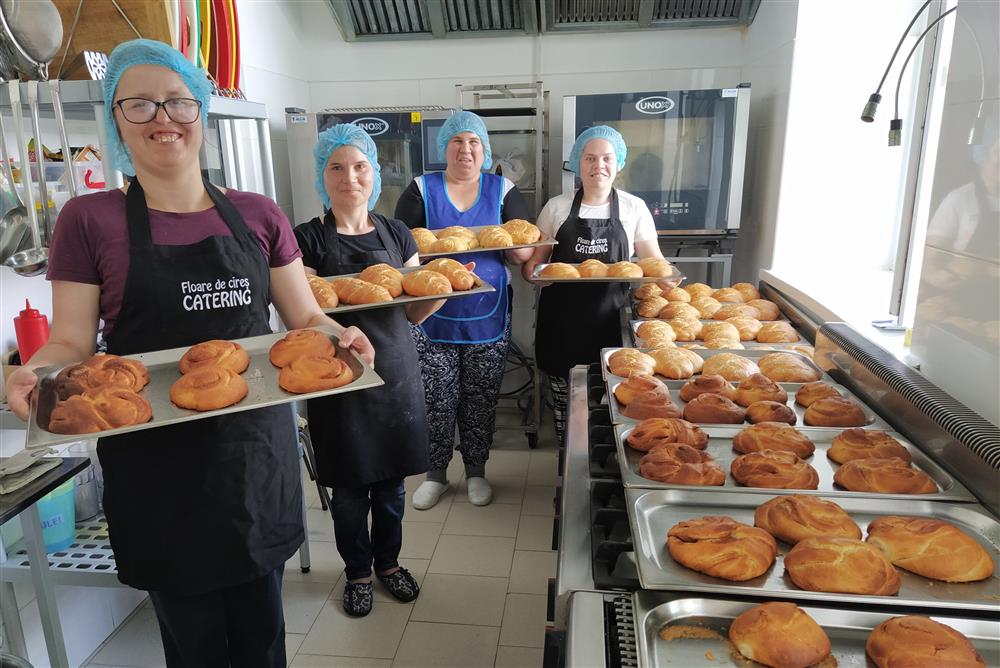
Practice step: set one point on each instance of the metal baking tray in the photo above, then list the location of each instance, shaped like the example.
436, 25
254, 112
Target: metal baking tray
536, 276
720, 446
652, 512
542, 241
705, 353
633, 304
847, 629
778, 347
261, 376
480, 287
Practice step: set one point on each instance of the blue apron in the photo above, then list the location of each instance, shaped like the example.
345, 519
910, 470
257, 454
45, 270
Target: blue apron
476, 318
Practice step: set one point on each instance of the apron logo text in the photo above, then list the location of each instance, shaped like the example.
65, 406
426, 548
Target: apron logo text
591, 246
220, 294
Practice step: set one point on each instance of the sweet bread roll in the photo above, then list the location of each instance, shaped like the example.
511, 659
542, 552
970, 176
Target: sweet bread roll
384, 275
452, 244
732, 310
776, 469
696, 360
713, 409
314, 373
624, 270
101, 371
685, 329
627, 362
100, 409
782, 635
300, 342
681, 464
758, 387
648, 290
857, 443
728, 295
425, 239
884, 476
841, 565
456, 273
455, 231
678, 310
768, 310
630, 388
915, 641
208, 388
323, 291
723, 344
522, 232
655, 267
706, 384
778, 331
654, 403
770, 411
559, 270
720, 330
796, 517
747, 327
217, 353
677, 295
814, 391
776, 436
426, 282
730, 366
748, 291
706, 307
494, 236
660, 340
648, 329
834, 412
650, 308
698, 290
594, 269
932, 548
356, 291
787, 368
673, 363
808, 351
722, 547
656, 432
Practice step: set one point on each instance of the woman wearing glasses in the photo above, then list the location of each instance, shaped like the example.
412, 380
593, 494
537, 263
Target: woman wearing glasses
203, 514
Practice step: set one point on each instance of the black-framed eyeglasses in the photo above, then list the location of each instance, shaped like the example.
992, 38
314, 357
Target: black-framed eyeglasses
139, 110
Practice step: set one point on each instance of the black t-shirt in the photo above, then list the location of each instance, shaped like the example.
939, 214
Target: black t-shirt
410, 207
312, 241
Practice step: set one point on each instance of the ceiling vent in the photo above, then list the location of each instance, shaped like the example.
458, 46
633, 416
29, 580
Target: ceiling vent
594, 15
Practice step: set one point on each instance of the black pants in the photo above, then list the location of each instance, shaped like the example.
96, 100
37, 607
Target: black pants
359, 549
237, 626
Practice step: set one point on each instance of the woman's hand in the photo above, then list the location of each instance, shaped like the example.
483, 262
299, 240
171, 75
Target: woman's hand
19, 387
354, 339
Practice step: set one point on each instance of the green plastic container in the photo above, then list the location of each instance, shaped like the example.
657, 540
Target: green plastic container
57, 511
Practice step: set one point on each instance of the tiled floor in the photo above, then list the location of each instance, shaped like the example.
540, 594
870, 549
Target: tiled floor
483, 573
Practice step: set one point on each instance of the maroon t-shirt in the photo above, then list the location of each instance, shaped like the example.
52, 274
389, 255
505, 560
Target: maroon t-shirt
91, 244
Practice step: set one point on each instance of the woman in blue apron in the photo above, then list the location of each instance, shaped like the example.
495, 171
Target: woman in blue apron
463, 347
366, 442
203, 514
597, 222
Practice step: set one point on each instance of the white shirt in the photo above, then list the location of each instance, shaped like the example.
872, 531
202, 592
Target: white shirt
635, 216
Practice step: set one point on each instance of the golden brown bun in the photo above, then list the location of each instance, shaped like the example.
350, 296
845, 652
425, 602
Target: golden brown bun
796, 517
696, 360
919, 642
857, 443
594, 269
208, 388
728, 296
713, 409
559, 270
323, 291
720, 330
777, 332
655, 267
730, 366
627, 362
452, 244
699, 290
775, 469
494, 236
884, 476
780, 635
722, 547
673, 363
216, 352
100, 409
758, 387
932, 548
625, 270
648, 290
773, 436
425, 239
768, 310
314, 373
678, 311
706, 307
384, 275
300, 342
356, 291
455, 231
650, 308
681, 464
841, 565
627, 390
654, 432
660, 340
808, 351
99, 372
655, 328
811, 392
677, 295
685, 329
426, 282
522, 232
747, 327
834, 412
748, 291
723, 344
710, 384
456, 272
727, 311
654, 403
770, 411
787, 368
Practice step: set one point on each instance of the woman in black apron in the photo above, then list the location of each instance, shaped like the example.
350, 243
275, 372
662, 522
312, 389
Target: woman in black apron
203, 514
366, 443
574, 321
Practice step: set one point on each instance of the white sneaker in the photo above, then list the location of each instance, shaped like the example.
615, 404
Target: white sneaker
428, 494
480, 492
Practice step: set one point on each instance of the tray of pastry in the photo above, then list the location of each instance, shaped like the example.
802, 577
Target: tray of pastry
512, 234
394, 289
964, 539
663, 307
691, 631
700, 340
648, 270
260, 384
671, 366
929, 483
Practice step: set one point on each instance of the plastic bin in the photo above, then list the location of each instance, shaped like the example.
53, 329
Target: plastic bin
57, 511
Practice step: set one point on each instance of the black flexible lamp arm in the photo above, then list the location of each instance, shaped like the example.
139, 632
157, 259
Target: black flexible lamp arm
868, 114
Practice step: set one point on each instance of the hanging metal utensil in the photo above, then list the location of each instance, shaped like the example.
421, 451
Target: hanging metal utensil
63, 138
15, 228
34, 260
43, 186
30, 32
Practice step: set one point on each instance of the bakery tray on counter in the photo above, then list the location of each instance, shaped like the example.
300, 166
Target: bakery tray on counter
261, 377
847, 628
536, 276
705, 353
480, 287
542, 241
653, 512
720, 446
778, 347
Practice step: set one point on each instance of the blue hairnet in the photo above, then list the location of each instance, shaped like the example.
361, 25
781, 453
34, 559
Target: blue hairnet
346, 134
465, 121
147, 52
597, 132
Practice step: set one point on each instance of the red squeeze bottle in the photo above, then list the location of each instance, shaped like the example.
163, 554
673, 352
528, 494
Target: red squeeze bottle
32, 331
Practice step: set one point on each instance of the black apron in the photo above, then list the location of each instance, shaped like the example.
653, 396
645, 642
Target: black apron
574, 321
202, 505
380, 434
